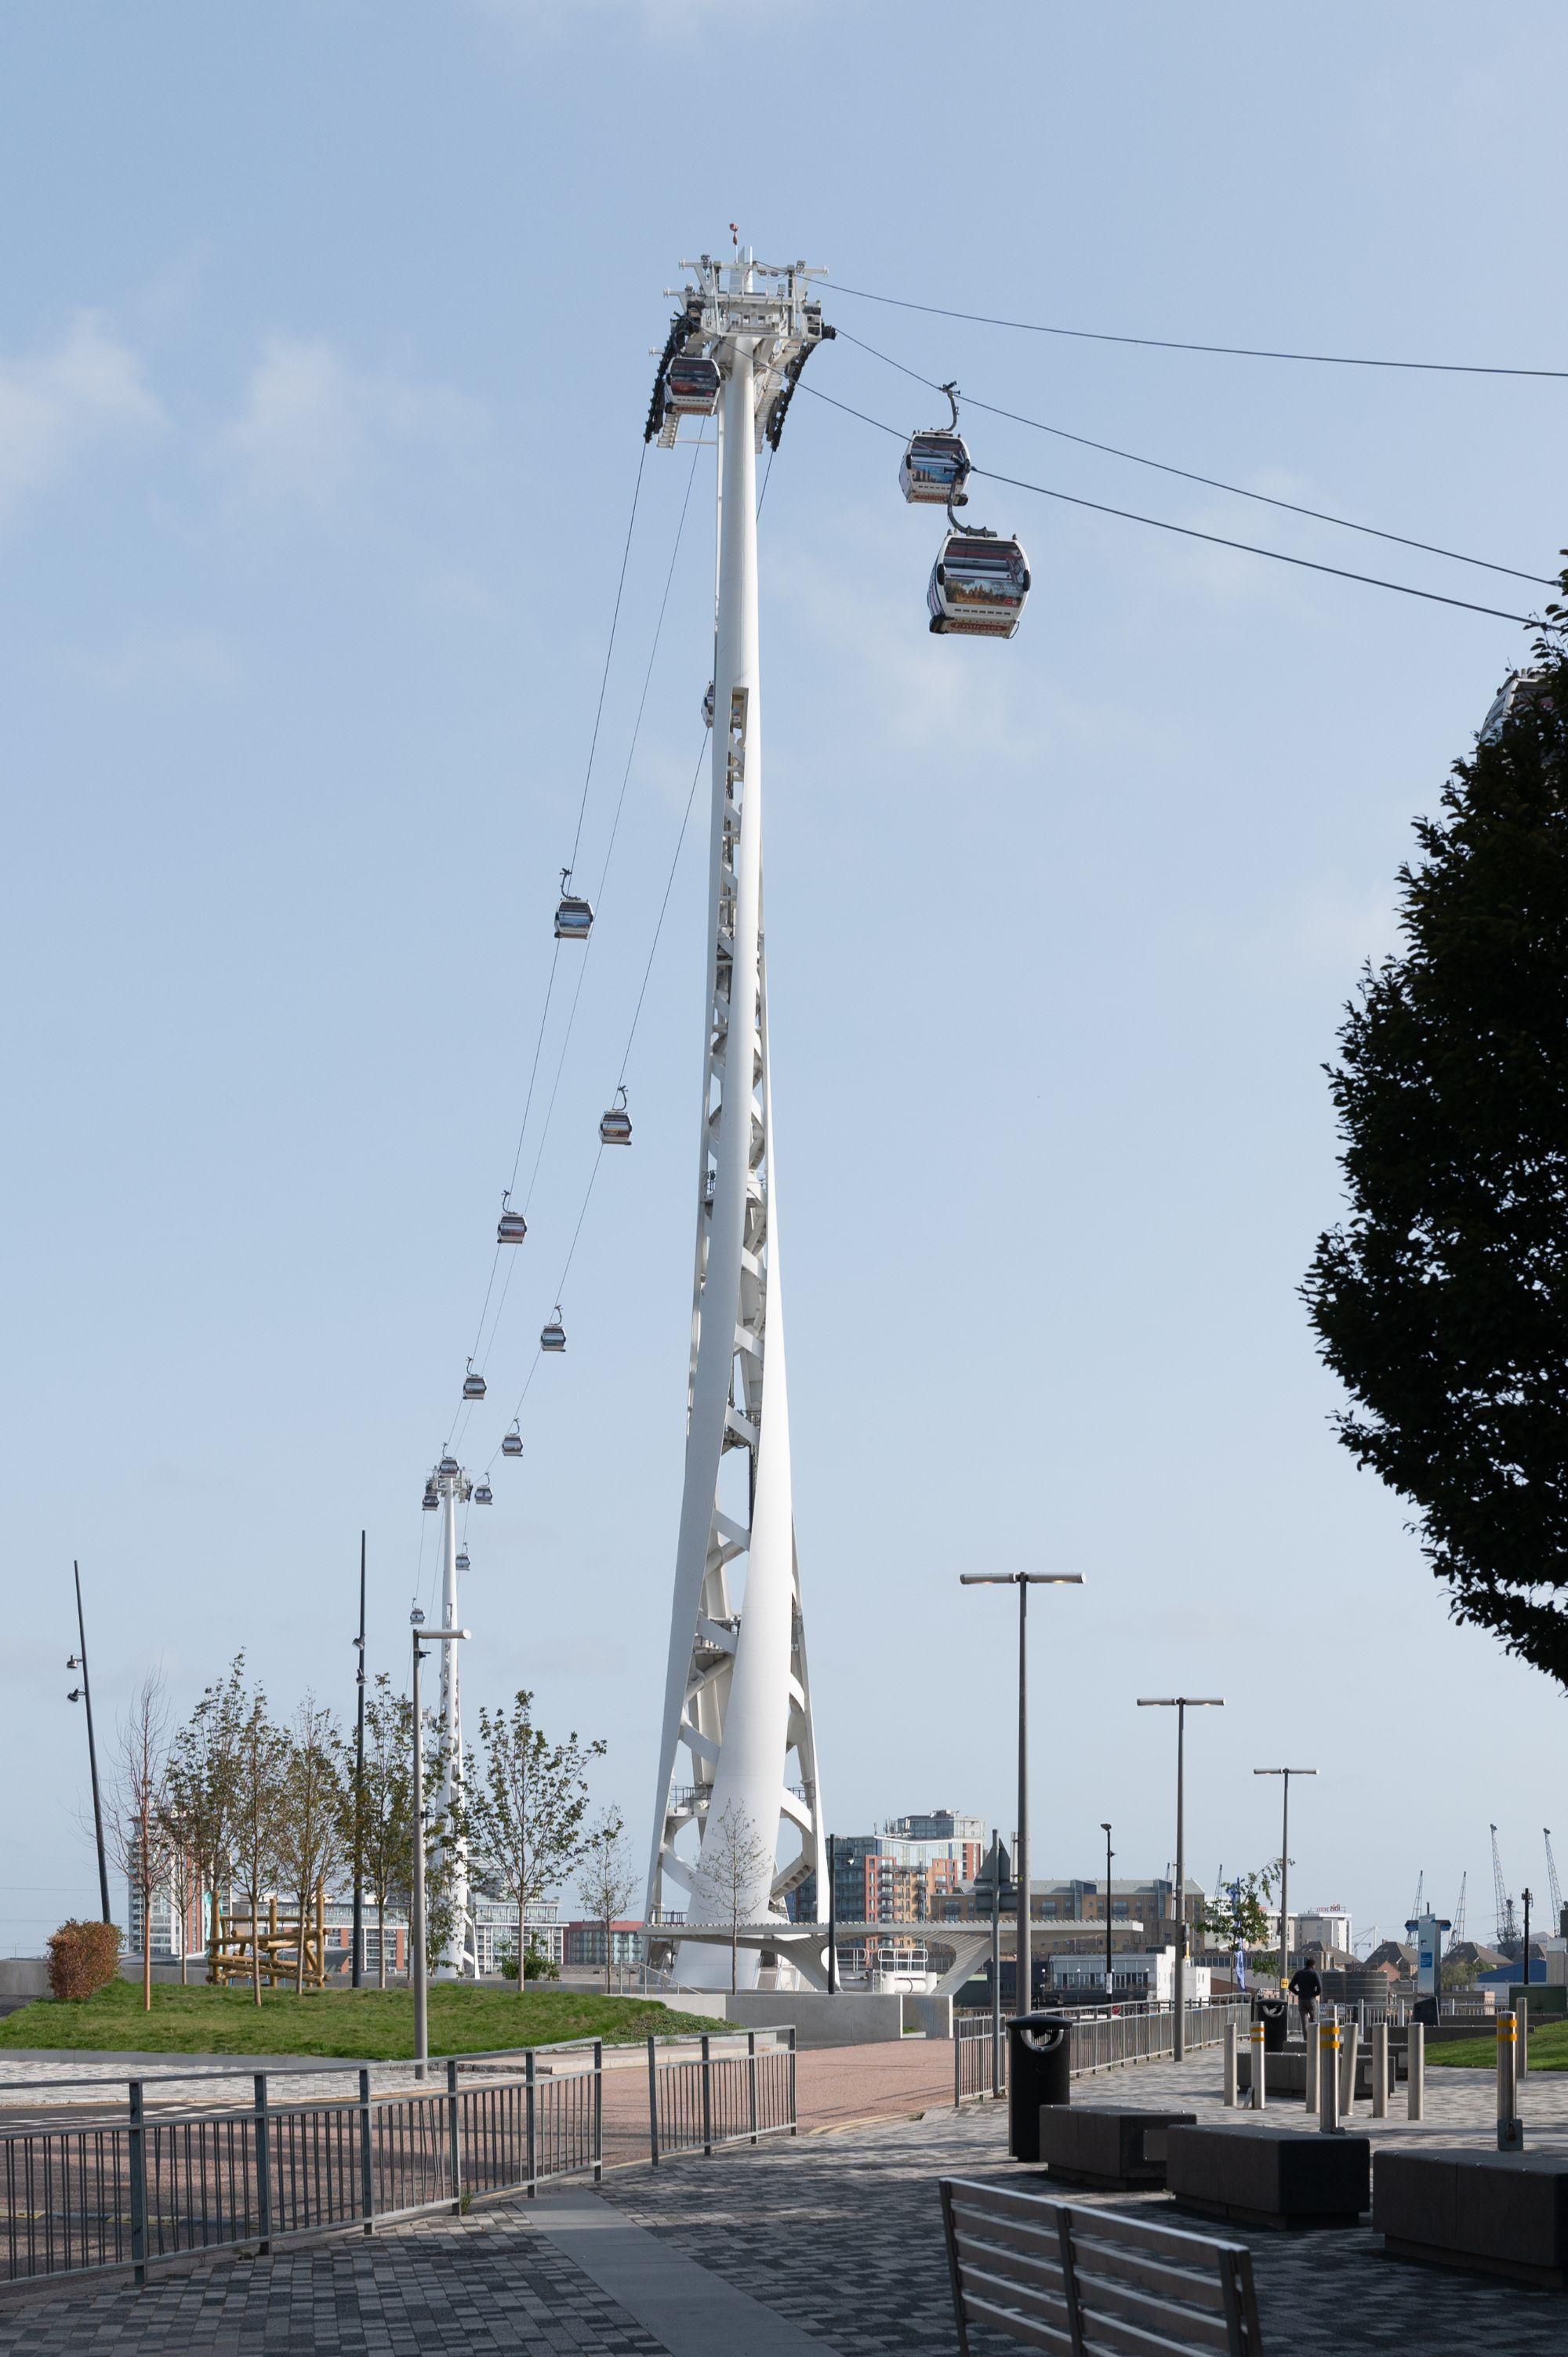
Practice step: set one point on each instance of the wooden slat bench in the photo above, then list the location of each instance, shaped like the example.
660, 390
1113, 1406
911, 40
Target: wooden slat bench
1086, 2282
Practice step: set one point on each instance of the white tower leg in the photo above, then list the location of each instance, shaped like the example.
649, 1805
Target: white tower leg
737, 1697
458, 1957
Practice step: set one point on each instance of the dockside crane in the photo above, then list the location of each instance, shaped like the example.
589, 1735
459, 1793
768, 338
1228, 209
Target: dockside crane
1459, 1911
1506, 1931
1551, 1883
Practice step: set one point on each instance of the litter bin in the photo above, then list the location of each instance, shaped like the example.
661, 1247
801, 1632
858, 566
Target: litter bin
1040, 2071
1425, 2010
1274, 2012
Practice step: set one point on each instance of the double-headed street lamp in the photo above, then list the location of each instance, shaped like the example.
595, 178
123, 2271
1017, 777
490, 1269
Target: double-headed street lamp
418, 1966
1181, 1704
1284, 1863
1022, 1581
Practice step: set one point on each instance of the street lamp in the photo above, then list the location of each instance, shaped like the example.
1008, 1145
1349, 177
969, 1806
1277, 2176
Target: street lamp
417, 1967
357, 1934
1110, 1967
1181, 1704
83, 1692
1284, 1863
1022, 1581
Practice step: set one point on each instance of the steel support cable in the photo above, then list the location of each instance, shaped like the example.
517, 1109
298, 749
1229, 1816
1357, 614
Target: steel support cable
1172, 344
1190, 531
1187, 474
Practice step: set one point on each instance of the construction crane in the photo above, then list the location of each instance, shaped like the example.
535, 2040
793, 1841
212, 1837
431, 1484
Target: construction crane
1459, 1913
1552, 1884
1420, 1890
1506, 1933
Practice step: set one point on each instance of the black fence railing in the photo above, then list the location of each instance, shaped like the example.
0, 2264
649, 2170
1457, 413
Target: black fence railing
1102, 2039
150, 2185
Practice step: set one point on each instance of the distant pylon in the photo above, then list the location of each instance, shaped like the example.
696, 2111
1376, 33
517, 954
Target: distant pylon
737, 1698
458, 1959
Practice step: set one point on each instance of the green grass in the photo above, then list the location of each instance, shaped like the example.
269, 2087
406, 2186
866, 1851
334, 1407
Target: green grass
359, 2025
1548, 2050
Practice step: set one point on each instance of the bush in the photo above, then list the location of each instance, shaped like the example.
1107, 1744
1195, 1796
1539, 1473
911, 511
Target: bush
536, 1965
83, 1957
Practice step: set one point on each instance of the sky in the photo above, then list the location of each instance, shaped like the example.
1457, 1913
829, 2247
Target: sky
325, 350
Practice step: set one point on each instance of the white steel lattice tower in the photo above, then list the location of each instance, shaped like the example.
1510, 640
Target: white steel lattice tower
459, 1957
736, 1697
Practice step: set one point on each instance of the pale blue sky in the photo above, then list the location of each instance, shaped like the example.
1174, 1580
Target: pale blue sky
324, 355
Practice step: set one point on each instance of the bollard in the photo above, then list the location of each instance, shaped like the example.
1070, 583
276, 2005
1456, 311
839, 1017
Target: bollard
1415, 2070
1381, 2071
1328, 2078
1309, 2040
1260, 2068
1348, 2071
1510, 2127
1229, 2066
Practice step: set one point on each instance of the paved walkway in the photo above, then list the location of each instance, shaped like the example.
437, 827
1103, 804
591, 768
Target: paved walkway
828, 2243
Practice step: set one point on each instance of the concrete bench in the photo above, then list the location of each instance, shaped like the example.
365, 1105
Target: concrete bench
1115, 2151
1269, 2176
1052, 2276
1284, 2074
1502, 2213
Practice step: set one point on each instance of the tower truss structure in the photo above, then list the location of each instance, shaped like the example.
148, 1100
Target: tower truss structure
738, 1827
458, 1959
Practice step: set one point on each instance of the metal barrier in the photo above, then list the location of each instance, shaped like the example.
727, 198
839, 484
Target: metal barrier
1102, 2039
147, 2185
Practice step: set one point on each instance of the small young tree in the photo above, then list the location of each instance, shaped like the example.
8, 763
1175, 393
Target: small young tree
608, 1880
260, 1787
386, 1805
525, 1800
1240, 1921
201, 1792
316, 1812
139, 1820
737, 1864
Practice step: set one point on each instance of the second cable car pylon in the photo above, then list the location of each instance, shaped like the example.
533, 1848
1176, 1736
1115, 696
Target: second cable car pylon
736, 1695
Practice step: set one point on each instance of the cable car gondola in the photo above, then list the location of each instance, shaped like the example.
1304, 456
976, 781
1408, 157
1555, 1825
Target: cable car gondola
553, 1335
574, 918
430, 1501
511, 1227
483, 1493
462, 1559
473, 1385
614, 1126
511, 1445
934, 468
708, 704
448, 1467
691, 385
978, 583
1518, 692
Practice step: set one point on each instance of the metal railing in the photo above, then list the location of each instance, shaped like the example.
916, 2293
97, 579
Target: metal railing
146, 2185
1104, 2038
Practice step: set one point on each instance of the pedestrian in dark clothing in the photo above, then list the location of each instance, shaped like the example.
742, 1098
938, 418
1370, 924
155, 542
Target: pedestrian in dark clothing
1306, 1989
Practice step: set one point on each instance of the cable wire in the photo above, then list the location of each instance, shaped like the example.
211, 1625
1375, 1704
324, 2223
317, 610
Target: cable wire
609, 651
1171, 344
1265, 499
1190, 531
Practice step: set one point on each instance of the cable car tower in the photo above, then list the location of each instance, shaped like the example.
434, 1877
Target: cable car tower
737, 1696
459, 1959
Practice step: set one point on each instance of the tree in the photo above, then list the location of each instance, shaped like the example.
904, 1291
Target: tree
525, 1800
608, 1880
316, 1813
201, 1791
385, 1803
1239, 1922
261, 1786
1442, 1304
735, 1862
139, 1820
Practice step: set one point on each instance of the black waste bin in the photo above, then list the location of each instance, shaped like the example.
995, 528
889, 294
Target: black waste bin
1274, 2012
1425, 2010
1040, 2071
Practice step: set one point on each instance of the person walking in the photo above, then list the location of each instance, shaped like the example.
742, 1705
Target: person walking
1306, 1989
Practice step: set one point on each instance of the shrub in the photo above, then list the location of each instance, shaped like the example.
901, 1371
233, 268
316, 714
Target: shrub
82, 1957
536, 1965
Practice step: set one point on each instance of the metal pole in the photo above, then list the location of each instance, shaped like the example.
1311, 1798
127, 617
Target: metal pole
1285, 1895
263, 2148
1415, 2069
1259, 2074
356, 1964
137, 2142
1109, 1962
1025, 1992
1328, 2077
996, 1961
1381, 2070
91, 1752
1231, 2073
653, 2101
832, 1916
416, 1964
1510, 2127
1179, 2025
367, 2172
454, 2140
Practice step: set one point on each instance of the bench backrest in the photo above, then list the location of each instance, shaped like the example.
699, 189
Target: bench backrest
1063, 2276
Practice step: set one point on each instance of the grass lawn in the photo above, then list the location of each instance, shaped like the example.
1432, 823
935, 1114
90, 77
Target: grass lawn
360, 2025
1548, 2050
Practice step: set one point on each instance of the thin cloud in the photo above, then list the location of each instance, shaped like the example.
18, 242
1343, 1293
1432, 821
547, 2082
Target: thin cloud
57, 406
312, 424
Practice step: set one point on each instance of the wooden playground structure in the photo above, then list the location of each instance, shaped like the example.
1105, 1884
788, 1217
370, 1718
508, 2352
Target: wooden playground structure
248, 1947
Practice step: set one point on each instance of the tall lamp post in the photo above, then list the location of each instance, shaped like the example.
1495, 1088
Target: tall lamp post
1284, 1862
1109, 1966
1022, 1581
356, 1968
418, 1967
1181, 1704
83, 1692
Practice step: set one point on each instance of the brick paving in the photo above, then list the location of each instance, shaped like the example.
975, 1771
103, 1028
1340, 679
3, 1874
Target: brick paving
838, 2231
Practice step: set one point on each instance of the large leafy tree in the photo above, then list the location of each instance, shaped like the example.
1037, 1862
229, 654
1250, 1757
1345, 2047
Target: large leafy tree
1442, 1302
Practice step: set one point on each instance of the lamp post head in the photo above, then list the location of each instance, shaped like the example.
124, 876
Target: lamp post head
1020, 1579
1181, 1702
